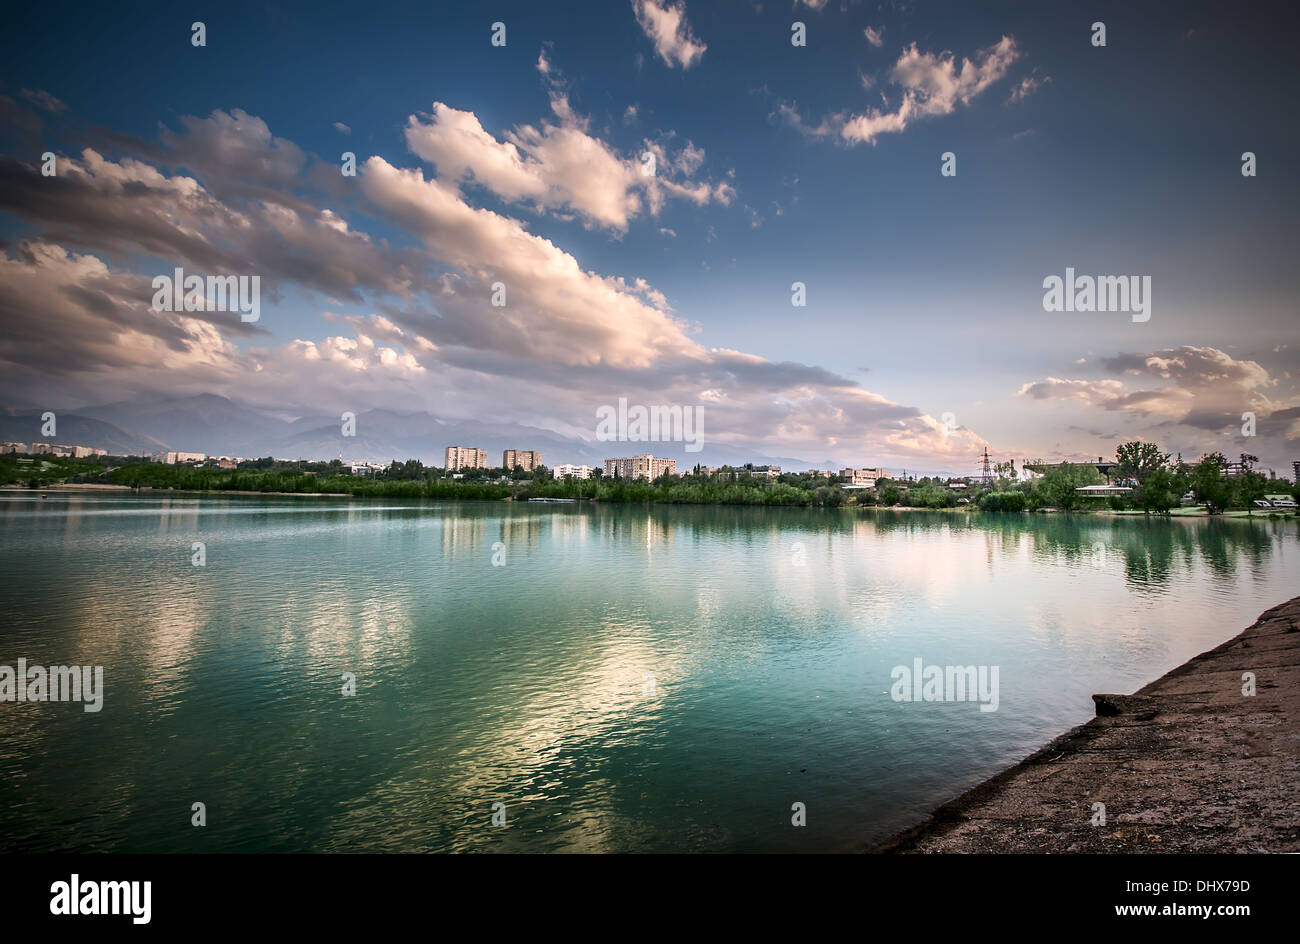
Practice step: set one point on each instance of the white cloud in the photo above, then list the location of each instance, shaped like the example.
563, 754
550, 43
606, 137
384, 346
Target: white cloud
1202, 389
664, 22
874, 36
559, 166
1027, 86
568, 339
932, 85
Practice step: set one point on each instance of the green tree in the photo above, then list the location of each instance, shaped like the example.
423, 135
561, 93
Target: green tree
1144, 463
1249, 488
1210, 485
1138, 460
1058, 484
1160, 491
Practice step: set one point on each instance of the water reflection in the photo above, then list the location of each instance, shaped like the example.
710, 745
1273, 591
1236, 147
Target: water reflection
770, 634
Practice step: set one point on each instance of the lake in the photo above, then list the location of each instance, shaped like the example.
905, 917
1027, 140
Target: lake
663, 678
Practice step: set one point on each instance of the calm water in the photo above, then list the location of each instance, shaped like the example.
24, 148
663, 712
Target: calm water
770, 635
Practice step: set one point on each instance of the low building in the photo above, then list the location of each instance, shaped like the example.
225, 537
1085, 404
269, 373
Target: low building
865, 477
365, 468
41, 449
81, 452
1102, 491
19, 448
513, 459
573, 471
1033, 469
1280, 501
174, 457
459, 457
640, 467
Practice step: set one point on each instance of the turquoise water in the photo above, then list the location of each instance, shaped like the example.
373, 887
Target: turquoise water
770, 635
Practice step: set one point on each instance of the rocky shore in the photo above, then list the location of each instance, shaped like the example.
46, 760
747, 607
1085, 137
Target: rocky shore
1189, 763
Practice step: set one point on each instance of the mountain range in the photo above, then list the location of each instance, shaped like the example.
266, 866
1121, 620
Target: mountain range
218, 426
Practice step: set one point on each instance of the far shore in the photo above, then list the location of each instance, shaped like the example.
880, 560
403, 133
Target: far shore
1184, 512
1189, 763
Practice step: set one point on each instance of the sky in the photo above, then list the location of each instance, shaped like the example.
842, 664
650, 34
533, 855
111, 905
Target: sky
923, 339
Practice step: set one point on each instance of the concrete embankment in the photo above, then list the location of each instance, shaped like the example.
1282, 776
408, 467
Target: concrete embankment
1187, 764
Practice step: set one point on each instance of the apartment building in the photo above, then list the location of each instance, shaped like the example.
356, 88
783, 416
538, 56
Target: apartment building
20, 448
528, 461
82, 452
459, 457
863, 477
171, 458
573, 471
640, 467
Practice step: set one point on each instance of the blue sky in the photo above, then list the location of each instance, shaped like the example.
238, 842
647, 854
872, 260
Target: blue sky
923, 291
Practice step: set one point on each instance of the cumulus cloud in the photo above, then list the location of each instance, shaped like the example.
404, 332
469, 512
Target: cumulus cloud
559, 165
664, 22
1091, 392
1201, 390
124, 207
68, 313
409, 323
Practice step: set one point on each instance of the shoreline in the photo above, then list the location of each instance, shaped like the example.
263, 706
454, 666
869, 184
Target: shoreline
1201, 514
1186, 764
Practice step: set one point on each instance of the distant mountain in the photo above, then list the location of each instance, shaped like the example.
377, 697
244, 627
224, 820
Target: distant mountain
205, 423
215, 425
74, 429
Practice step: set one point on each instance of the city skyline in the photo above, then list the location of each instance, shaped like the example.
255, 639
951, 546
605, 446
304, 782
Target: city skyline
925, 334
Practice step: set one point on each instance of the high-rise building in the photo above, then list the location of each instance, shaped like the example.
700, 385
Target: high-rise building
1295, 472
459, 457
640, 467
528, 461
